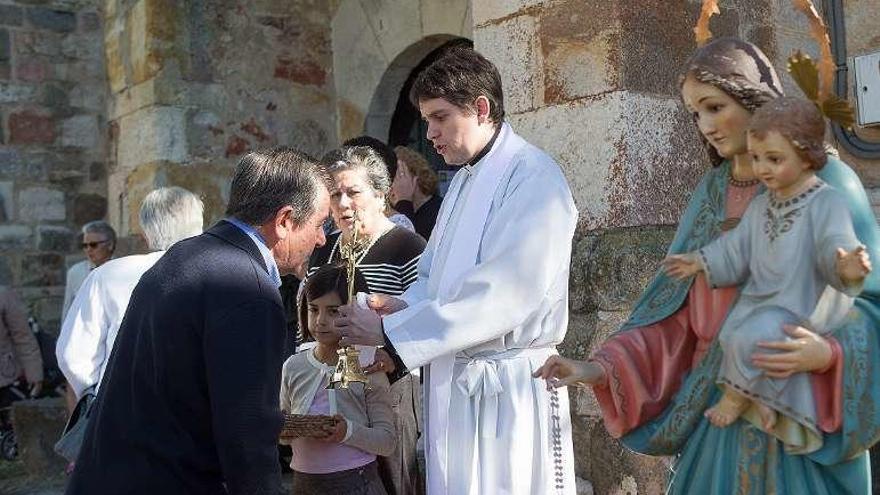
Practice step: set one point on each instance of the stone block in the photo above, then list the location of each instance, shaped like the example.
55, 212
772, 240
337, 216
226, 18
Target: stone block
90, 21
609, 466
41, 203
580, 49
514, 46
446, 17
88, 207
656, 42
38, 424
38, 42
55, 97
52, 238
7, 202
152, 134
31, 127
32, 70
15, 166
16, 93
80, 131
488, 11
10, 15
52, 20
7, 274
5, 45
87, 97
44, 269
15, 237
623, 263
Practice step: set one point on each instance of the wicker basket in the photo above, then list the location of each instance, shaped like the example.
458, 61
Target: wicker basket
306, 425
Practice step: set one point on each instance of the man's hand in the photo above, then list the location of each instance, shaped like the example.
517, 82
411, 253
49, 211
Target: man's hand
381, 362
358, 325
385, 305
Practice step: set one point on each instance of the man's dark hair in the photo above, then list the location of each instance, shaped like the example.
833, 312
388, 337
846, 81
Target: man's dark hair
268, 180
459, 76
384, 151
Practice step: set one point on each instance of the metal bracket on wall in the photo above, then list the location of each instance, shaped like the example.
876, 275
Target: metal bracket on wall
833, 11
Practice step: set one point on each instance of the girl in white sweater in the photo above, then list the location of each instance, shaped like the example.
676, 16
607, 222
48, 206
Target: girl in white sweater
344, 461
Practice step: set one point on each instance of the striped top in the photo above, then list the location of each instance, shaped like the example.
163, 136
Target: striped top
389, 266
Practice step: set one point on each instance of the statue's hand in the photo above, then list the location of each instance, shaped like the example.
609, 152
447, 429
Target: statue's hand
561, 372
682, 266
805, 351
853, 266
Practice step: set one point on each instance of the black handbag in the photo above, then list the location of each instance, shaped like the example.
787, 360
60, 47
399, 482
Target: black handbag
71, 440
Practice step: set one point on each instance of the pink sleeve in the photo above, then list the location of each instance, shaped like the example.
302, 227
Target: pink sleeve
827, 390
644, 367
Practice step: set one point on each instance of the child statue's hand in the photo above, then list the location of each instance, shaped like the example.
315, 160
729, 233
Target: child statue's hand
561, 372
682, 266
854, 266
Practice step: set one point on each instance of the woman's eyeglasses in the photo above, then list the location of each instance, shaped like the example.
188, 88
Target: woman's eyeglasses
93, 245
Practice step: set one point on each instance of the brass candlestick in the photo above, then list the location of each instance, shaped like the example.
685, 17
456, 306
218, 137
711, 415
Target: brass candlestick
348, 367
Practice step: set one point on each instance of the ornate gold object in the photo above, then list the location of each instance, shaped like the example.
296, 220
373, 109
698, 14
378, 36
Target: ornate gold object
348, 367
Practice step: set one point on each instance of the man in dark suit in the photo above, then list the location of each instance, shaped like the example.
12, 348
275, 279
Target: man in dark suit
189, 403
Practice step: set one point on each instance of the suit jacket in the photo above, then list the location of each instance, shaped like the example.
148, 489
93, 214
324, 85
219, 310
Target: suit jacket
19, 350
189, 401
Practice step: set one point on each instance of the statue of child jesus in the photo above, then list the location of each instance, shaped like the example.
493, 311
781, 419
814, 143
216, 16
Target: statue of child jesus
794, 242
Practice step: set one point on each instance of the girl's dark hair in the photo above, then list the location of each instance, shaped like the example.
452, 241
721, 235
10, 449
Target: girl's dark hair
328, 278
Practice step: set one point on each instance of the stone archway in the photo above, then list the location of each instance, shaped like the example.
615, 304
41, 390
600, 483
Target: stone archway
375, 50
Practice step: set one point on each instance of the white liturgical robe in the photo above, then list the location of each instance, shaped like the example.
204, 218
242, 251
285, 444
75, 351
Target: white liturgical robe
489, 307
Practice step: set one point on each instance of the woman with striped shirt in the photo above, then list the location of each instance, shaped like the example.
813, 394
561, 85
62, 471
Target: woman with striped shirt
388, 265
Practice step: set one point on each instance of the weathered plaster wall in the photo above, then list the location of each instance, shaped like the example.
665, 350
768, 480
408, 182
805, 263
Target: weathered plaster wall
52, 143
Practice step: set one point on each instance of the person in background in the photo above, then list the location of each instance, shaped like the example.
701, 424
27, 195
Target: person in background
19, 350
167, 215
390, 161
414, 190
99, 243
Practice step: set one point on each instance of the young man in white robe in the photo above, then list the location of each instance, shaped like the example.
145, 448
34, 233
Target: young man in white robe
167, 215
491, 300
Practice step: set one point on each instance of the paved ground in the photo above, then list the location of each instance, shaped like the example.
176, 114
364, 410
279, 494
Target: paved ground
14, 481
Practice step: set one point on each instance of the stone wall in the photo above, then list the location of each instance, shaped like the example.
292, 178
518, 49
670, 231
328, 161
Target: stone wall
196, 84
53, 135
